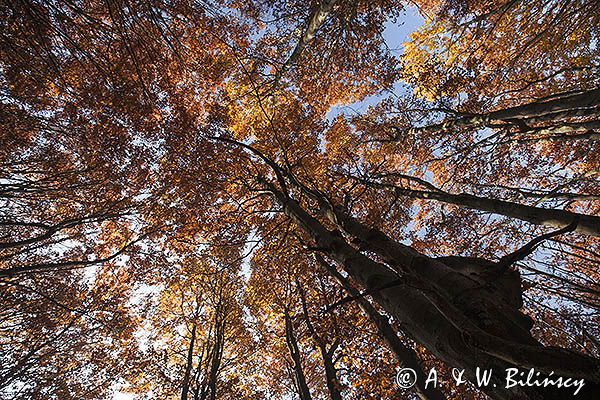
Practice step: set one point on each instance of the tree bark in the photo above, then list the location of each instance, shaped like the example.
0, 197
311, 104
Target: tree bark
290, 337
428, 316
185, 386
333, 384
586, 224
405, 356
316, 19
217, 353
561, 106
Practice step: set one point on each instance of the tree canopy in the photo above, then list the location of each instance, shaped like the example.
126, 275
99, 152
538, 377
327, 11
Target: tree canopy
192, 208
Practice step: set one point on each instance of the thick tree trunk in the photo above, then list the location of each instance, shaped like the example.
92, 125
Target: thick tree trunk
429, 316
405, 356
587, 224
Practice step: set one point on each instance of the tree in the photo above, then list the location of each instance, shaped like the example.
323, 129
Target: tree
180, 218
470, 47
198, 338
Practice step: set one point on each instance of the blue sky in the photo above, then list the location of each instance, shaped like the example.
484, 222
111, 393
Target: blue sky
395, 35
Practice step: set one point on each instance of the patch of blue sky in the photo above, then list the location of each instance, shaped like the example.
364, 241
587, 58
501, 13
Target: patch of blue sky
396, 34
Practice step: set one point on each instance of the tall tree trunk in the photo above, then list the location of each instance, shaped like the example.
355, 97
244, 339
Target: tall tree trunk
405, 356
333, 384
292, 344
216, 361
217, 350
185, 387
554, 110
316, 19
429, 316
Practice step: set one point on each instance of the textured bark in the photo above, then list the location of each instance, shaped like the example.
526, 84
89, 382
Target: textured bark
432, 319
552, 111
587, 224
405, 356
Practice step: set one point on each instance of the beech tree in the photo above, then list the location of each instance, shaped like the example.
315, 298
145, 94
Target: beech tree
189, 210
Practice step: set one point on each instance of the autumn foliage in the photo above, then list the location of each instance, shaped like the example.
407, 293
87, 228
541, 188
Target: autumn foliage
196, 201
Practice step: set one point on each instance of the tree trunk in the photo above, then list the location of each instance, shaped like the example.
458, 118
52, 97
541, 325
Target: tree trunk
429, 316
216, 363
405, 356
316, 19
331, 373
185, 387
561, 106
220, 320
290, 338
587, 224
333, 384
